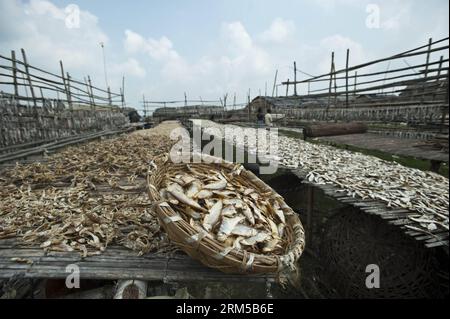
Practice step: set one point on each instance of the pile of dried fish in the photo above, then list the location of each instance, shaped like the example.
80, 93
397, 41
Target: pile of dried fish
228, 209
85, 198
367, 177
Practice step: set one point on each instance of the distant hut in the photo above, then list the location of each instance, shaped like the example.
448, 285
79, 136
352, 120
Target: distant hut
193, 111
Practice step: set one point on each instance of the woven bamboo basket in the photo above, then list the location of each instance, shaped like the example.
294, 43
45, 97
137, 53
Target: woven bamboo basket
211, 252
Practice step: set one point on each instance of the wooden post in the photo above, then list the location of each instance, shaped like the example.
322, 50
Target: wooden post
346, 78
422, 97
27, 71
224, 105
91, 93
335, 87
145, 106
123, 92
440, 68
69, 94
331, 78
445, 110
248, 99
274, 82
438, 74
109, 96
234, 101
295, 78
42, 96
309, 212
287, 88
355, 82
65, 83
430, 40
14, 72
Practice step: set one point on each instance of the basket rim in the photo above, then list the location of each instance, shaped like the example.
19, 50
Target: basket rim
290, 255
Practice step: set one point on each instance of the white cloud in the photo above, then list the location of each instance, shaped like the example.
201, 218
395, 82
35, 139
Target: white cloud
130, 67
330, 5
45, 36
279, 31
395, 15
157, 49
238, 61
39, 26
237, 36
339, 44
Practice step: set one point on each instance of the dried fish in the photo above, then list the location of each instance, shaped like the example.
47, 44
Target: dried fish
235, 214
213, 217
227, 226
203, 194
244, 231
360, 176
87, 197
258, 238
186, 200
216, 186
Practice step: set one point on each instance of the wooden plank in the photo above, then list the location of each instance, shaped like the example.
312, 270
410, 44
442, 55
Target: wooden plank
115, 263
437, 244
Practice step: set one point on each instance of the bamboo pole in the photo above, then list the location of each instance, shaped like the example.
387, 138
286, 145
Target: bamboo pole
123, 92
14, 72
346, 78
91, 93
295, 78
69, 94
274, 83
249, 108
66, 90
430, 41
331, 79
109, 96
27, 72
445, 110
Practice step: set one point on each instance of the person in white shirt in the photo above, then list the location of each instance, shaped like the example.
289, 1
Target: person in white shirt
268, 118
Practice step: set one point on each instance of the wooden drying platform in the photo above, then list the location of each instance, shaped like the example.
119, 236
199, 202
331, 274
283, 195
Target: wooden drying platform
30, 149
393, 216
392, 145
115, 263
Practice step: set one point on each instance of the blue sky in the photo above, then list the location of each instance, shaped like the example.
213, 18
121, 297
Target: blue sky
209, 48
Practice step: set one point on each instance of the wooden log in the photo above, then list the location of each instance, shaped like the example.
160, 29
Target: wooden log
330, 129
